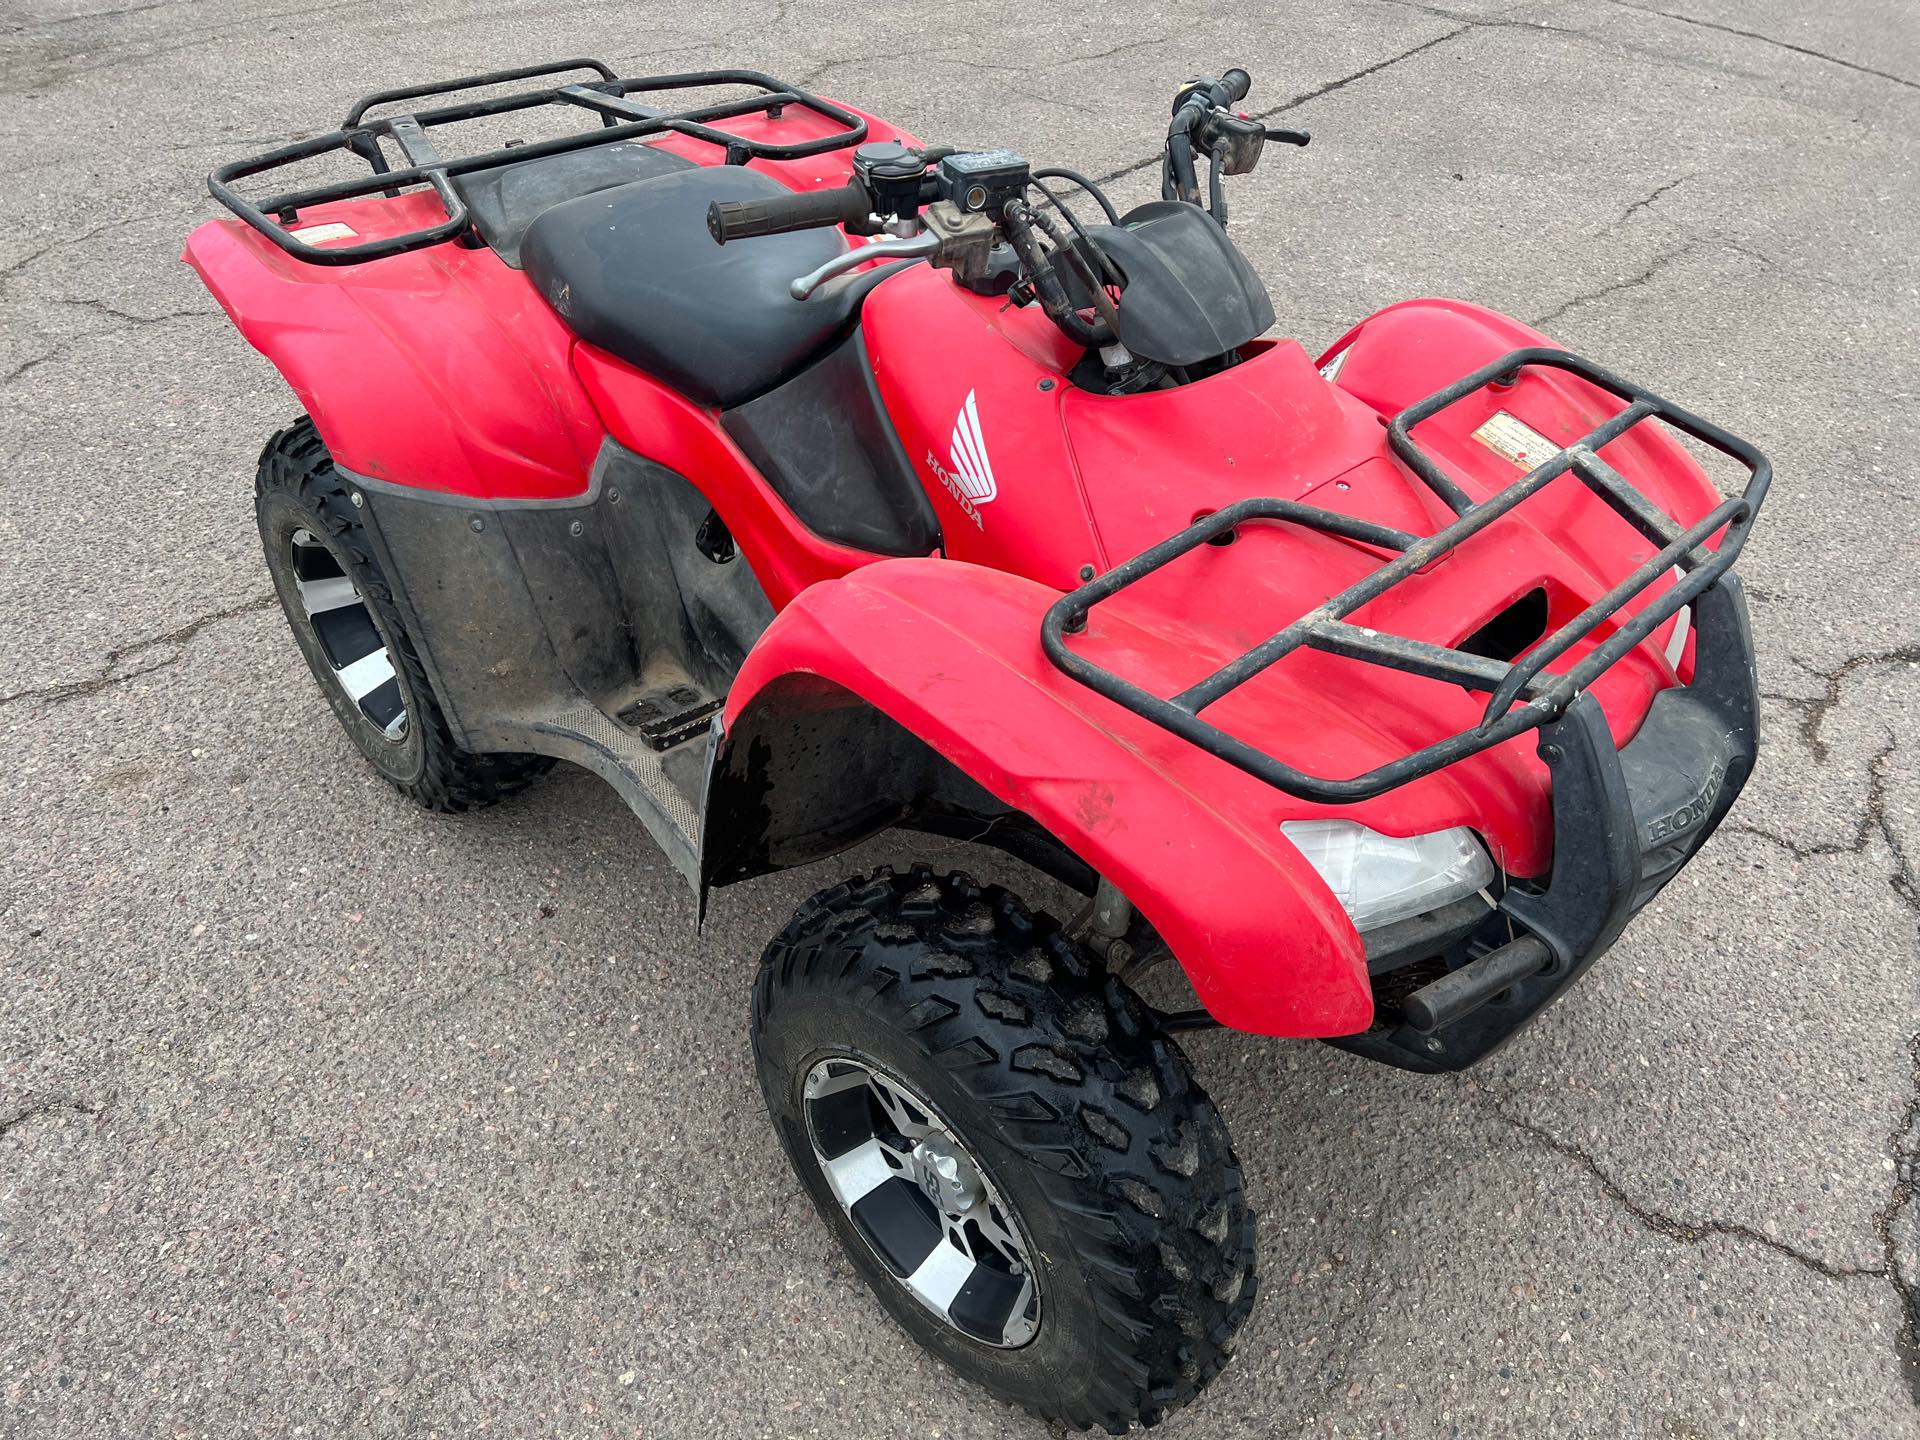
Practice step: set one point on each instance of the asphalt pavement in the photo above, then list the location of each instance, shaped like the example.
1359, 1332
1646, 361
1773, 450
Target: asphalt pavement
321, 1116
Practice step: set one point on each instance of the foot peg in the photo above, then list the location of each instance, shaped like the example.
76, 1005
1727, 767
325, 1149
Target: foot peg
666, 718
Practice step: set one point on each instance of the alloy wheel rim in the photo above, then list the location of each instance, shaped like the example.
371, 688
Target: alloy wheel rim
352, 643
921, 1201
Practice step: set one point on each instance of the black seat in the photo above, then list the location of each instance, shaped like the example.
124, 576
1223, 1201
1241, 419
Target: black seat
508, 199
634, 271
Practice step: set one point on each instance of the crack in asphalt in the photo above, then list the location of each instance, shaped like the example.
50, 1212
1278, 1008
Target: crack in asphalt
1903, 1148
47, 1107
1608, 43
109, 674
1693, 245
1485, 22
827, 67
14, 267
620, 61
1874, 819
1687, 1232
131, 320
1903, 1140
1131, 45
58, 21
1646, 202
1814, 712
955, 55
12, 271
1298, 100
44, 71
127, 321
1777, 43
1903, 1145
27, 367
1904, 882
1463, 23
1633, 282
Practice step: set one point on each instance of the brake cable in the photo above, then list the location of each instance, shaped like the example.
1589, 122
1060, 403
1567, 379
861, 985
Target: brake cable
1074, 177
1086, 240
1216, 190
1096, 287
1017, 220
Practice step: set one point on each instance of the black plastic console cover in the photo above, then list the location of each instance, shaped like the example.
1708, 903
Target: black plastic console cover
1190, 295
825, 444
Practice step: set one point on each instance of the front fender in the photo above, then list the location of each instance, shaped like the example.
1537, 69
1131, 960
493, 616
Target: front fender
950, 654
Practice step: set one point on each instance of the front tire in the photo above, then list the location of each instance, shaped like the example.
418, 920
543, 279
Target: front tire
1003, 1083
340, 607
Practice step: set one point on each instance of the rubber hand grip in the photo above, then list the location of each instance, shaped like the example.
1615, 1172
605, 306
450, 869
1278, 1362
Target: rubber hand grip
805, 210
1234, 86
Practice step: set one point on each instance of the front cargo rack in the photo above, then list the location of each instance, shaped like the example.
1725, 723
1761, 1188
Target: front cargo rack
1545, 695
604, 95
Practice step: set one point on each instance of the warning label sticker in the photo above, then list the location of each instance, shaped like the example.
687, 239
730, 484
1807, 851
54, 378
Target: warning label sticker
314, 234
1513, 439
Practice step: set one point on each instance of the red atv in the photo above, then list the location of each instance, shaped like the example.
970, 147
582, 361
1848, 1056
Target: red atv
1379, 690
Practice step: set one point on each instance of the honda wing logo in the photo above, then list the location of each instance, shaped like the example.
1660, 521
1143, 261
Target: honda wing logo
970, 454
970, 480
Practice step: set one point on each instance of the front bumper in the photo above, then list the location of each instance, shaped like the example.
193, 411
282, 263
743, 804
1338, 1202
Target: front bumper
1626, 819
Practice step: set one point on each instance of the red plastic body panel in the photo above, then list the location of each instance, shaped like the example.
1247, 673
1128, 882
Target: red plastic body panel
952, 652
1393, 359
445, 371
666, 427
1083, 479
934, 344
442, 369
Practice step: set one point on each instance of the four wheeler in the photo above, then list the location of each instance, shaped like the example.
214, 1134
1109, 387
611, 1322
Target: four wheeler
804, 480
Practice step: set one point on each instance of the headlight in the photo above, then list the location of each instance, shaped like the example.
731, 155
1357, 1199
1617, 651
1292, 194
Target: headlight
1381, 879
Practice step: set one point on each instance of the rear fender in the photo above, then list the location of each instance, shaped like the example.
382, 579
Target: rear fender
865, 687
439, 370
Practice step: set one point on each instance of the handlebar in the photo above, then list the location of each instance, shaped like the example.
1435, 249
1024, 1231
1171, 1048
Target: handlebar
1206, 125
1197, 97
802, 210
1194, 106
966, 210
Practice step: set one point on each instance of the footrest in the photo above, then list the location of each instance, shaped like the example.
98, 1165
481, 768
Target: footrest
667, 718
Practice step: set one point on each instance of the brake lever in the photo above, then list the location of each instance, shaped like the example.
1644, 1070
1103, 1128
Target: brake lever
1290, 137
900, 248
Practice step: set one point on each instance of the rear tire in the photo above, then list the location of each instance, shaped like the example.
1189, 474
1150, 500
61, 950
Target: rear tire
1070, 1110
340, 607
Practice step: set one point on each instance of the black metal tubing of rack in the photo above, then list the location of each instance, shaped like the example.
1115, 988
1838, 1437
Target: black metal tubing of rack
606, 96
1541, 696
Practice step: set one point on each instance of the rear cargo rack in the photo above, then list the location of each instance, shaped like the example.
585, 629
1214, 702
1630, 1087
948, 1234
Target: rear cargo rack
1541, 695
605, 95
